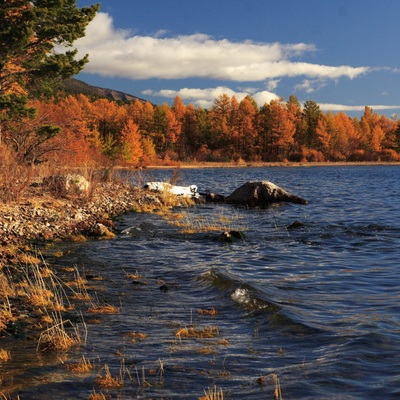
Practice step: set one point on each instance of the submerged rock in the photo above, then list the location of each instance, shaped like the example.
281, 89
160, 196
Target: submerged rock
295, 225
261, 193
213, 198
231, 236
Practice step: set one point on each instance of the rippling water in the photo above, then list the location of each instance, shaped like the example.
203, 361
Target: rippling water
316, 306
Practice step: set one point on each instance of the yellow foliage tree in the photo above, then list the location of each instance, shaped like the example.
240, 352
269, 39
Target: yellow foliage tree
131, 147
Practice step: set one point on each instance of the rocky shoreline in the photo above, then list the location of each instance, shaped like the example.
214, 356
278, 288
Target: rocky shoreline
41, 216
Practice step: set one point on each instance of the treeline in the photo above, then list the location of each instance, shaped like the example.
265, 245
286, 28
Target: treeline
80, 131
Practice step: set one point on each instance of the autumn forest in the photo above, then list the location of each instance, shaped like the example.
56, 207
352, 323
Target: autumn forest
104, 132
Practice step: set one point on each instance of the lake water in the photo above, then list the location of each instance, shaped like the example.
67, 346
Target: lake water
315, 309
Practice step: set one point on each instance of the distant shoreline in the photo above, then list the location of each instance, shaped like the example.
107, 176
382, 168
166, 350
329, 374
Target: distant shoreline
271, 164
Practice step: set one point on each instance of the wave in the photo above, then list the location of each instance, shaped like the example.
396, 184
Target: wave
257, 303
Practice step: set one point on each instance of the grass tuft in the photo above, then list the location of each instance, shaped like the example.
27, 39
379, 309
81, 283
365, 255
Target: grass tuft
104, 309
108, 381
83, 366
213, 394
191, 332
218, 221
5, 355
56, 337
208, 311
98, 396
137, 336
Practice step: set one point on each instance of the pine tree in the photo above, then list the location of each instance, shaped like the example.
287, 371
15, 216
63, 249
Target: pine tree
29, 65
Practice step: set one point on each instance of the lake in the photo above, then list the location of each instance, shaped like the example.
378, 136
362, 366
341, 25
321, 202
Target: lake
312, 311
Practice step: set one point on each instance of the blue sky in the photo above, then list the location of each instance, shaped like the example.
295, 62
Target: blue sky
343, 54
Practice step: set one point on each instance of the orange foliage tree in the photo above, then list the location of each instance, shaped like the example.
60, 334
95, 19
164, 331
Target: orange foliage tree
137, 133
131, 146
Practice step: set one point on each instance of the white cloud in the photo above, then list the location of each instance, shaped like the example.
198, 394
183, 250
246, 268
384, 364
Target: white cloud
272, 84
310, 85
342, 107
206, 97
114, 52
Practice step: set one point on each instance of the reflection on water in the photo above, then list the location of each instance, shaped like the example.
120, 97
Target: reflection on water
317, 305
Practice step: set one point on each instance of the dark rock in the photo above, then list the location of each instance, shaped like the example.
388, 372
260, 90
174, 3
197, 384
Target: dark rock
98, 230
138, 283
231, 236
295, 225
213, 198
261, 193
164, 288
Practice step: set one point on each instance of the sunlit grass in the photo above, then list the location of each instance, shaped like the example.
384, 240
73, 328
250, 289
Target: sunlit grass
213, 394
83, 366
218, 220
56, 337
103, 309
106, 380
135, 336
98, 396
5, 355
192, 332
41, 288
208, 311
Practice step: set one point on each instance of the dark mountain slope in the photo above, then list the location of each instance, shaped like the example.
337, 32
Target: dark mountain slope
75, 86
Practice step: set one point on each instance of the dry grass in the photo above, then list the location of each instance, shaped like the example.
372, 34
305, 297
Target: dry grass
46, 319
78, 282
41, 290
37, 286
5, 355
200, 333
207, 350
209, 311
68, 269
79, 286
27, 258
218, 221
277, 391
15, 178
169, 199
135, 336
6, 286
7, 290
158, 371
213, 394
134, 276
75, 238
82, 296
108, 381
4, 397
98, 396
274, 380
103, 309
56, 337
83, 366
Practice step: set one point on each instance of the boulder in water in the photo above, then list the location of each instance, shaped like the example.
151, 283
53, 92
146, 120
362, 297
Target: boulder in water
261, 193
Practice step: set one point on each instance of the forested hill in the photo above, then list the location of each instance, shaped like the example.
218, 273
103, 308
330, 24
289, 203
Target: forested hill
75, 86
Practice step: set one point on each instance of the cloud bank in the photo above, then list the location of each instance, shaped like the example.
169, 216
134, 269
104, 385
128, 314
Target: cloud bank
206, 97
342, 107
117, 53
